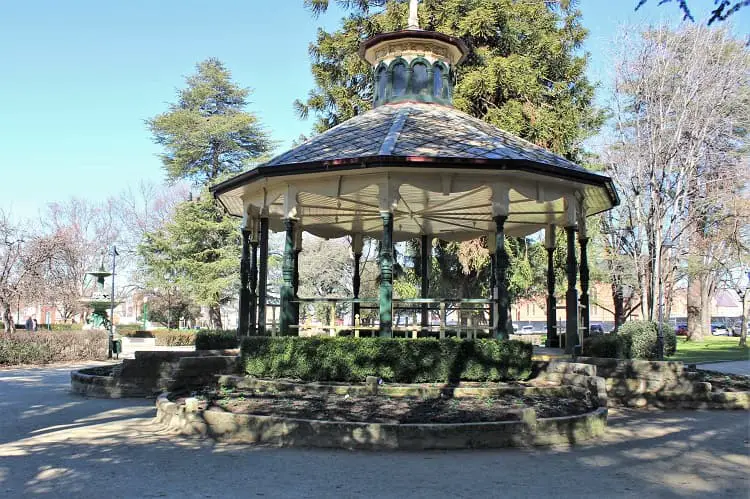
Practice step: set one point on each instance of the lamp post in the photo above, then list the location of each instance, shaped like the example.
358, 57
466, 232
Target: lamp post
742, 292
112, 305
666, 244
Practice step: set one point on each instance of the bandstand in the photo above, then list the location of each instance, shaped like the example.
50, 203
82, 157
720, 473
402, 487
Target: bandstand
414, 167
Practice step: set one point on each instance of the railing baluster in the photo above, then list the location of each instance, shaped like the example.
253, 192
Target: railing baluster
442, 320
332, 311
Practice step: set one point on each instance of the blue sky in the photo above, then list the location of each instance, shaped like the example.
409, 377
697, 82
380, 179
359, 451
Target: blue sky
78, 79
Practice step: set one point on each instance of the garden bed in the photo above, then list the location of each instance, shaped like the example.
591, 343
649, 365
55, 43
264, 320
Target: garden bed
722, 382
383, 409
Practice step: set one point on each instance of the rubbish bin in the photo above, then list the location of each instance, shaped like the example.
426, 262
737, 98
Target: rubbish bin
117, 347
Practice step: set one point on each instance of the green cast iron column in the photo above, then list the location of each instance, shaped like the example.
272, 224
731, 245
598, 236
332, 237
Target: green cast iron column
552, 339
287, 287
425, 249
262, 276
386, 276
571, 296
355, 287
501, 280
493, 270
242, 329
252, 312
584, 270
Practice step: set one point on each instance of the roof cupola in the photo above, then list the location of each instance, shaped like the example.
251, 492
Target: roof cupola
413, 64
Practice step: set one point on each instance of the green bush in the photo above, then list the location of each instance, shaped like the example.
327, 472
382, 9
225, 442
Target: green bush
396, 360
43, 347
216, 340
639, 340
607, 346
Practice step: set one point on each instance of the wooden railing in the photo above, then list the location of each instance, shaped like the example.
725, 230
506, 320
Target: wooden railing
469, 317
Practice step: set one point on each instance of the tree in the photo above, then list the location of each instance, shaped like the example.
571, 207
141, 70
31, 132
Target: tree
524, 73
723, 9
83, 230
207, 135
196, 252
680, 112
24, 261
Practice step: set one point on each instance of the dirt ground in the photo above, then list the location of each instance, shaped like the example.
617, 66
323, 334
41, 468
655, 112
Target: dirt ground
382, 409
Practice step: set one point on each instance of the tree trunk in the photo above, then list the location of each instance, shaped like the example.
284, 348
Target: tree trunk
214, 316
619, 303
694, 325
8, 323
743, 318
705, 304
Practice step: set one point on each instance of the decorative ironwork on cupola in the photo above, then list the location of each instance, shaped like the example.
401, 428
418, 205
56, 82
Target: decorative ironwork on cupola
413, 64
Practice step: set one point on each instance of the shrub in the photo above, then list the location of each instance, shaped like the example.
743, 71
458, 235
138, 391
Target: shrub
174, 337
396, 360
639, 340
216, 340
43, 347
608, 346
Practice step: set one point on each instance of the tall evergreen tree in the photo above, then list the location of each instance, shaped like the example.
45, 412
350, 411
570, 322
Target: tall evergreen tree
207, 135
524, 72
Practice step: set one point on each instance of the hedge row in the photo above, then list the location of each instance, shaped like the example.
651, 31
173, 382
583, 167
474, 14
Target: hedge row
635, 340
210, 339
216, 340
424, 360
43, 347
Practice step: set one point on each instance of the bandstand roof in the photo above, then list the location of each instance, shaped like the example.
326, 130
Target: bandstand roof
439, 171
443, 162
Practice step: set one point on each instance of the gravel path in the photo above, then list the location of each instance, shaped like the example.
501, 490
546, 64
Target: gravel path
731, 367
55, 444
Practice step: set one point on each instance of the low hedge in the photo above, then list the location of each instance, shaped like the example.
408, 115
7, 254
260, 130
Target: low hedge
349, 359
216, 340
640, 340
43, 347
164, 337
635, 340
607, 346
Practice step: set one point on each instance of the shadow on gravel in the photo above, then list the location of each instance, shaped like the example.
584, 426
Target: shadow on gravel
52, 442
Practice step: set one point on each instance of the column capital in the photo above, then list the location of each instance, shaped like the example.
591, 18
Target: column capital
571, 211
500, 200
550, 241
388, 195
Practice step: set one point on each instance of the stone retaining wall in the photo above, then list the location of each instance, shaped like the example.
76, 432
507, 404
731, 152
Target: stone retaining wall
152, 373
287, 432
660, 384
373, 388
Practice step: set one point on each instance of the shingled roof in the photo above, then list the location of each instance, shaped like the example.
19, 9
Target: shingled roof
413, 129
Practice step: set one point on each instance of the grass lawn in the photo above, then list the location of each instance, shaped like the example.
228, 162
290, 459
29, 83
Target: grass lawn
710, 349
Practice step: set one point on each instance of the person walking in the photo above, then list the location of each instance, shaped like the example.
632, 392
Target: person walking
29, 324
36, 325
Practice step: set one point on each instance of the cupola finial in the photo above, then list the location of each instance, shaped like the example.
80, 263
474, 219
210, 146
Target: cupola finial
413, 15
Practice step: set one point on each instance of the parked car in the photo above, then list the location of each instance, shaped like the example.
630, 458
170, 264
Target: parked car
719, 329
681, 329
737, 329
527, 330
596, 330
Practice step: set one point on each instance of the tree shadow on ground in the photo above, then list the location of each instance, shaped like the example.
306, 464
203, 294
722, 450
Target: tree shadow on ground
99, 448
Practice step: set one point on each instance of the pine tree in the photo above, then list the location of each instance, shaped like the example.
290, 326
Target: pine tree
207, 135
